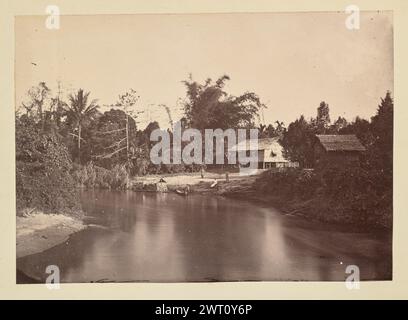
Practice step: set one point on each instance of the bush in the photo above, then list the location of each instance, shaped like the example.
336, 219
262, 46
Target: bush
348, 195
43, 167
91, 176
290, 183
119, 177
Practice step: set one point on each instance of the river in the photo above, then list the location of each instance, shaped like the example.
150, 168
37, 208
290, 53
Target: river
165, 237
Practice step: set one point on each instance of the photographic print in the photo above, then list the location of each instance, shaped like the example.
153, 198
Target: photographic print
210, 147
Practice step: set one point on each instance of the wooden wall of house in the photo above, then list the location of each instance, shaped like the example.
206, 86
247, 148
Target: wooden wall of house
325, 158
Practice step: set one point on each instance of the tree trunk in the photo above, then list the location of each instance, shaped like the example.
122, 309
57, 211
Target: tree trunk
127, 137
79, 143
40, 111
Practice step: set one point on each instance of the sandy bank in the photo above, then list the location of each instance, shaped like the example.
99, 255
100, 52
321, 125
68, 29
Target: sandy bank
38, 232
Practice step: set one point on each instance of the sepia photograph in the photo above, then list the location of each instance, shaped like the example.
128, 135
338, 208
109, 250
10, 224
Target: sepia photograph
208, 147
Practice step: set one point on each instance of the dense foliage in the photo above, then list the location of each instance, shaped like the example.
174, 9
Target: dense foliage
208, 106
357, 194
347, 195
92, 176
62, 145
43, 166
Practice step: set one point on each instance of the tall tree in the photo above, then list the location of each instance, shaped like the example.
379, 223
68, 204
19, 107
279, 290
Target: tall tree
208, 106
298, 140
80, 111
382, 129
323, 117
37, 97
280, 129
338, 125
126, 102
57, 108
270, 131
115, 138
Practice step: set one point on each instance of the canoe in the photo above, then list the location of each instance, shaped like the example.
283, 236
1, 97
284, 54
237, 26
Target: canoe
181, 192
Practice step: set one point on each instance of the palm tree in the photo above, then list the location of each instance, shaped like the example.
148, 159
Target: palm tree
79, 110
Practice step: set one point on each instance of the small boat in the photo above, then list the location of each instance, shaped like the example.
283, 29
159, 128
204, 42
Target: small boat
181, 192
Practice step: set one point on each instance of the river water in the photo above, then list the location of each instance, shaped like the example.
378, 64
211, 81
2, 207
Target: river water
165, 237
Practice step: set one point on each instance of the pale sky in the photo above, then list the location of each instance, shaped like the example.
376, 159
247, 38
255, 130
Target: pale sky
293, 61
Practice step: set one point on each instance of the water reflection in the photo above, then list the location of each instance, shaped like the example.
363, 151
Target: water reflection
167, 237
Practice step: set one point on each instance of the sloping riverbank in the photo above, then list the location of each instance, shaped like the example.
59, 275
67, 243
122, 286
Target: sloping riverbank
295, 195
39, 231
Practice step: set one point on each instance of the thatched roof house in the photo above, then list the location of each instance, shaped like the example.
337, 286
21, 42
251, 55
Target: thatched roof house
270, 152
340, 142
336, 150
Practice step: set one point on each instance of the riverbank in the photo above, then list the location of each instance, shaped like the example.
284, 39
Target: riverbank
38, 231
293, 195
238, 186
300, 193
305, 194
193, 181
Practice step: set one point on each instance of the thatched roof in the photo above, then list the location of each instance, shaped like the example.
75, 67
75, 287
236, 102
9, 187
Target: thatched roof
256, 144
340, 142
273, 149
